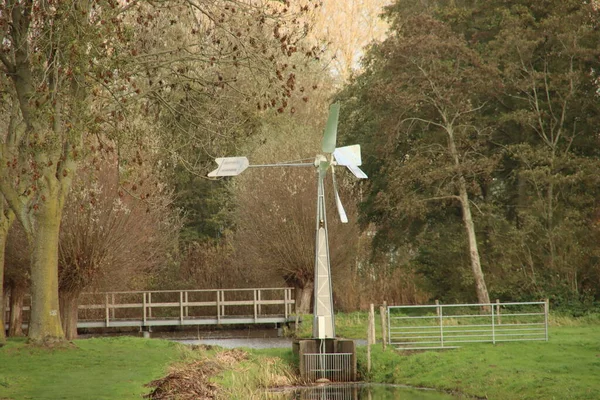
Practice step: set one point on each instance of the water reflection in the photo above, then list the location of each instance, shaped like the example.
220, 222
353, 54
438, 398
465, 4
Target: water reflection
250, 343
360, 392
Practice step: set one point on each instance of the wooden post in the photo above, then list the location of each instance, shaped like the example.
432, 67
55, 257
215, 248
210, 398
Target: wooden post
370, 337
149, 304
112, 311
441, 322
383, 326
285, 303
218, 306
106, 309
255, 304
144, 308
222, 301
258, 300
187, 309
181, 308
546, 311
498, 312
372, 323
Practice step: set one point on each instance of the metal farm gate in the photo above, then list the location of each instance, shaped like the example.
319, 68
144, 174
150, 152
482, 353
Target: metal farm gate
450, 325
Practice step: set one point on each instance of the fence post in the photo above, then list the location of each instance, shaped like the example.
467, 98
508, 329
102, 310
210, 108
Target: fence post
218, 306
107, 310
370, 335
493, 326
498, 312
441, 318
150, 304
389, 326
383, 334
546, 310
112, 311
259, 299
372, 323
144, 308
181, 308
256, 294
222, 301
187, 308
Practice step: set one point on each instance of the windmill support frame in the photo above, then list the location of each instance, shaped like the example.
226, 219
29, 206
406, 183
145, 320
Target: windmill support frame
323, 316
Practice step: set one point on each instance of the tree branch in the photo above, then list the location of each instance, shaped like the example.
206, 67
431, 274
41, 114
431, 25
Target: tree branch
449, 197
10, 67
424, 121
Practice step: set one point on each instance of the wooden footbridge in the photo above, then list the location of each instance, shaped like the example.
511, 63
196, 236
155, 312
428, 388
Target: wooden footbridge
147, 309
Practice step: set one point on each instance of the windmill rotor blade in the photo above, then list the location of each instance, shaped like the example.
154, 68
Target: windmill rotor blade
328, 145
348, 155
229, 166
357, 172
338, 202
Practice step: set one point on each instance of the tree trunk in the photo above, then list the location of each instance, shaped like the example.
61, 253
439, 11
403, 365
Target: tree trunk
5, 309
15, 323
550, 216
69, 303
6, 219
304, 297
44, 322
2, 248
481, 288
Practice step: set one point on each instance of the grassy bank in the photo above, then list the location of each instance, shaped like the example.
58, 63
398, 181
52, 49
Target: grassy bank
107, 368
566, 367
129, 368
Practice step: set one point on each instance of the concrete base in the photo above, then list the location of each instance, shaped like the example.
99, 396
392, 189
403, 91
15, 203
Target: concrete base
146, 330
330, 346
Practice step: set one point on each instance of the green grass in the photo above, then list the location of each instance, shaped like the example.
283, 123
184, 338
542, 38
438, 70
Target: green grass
107, 368
566, 367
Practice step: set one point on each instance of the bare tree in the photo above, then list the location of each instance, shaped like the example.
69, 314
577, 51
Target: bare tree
110, 234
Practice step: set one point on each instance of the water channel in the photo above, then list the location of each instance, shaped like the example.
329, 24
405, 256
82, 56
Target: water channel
359, 392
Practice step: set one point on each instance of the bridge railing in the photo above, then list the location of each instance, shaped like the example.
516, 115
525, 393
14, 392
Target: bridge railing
182, 305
